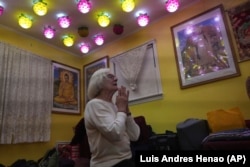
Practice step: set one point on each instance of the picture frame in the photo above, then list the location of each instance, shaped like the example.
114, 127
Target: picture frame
63, 147
90, 68
139, 72
66, 150
203, 49
240, 21
66, 89
60, 144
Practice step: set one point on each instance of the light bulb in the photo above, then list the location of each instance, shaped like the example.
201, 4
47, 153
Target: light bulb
68, 41
49, 32
64, 21
128, 5
143, 20
24, 21
84, 6
103, 20
172, 5
84, 48
99, 40
40, 8
1, 10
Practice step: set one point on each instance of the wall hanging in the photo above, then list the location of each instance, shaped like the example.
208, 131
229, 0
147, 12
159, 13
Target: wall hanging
240, 21
66, 89
138, 70
203, 50
90, 68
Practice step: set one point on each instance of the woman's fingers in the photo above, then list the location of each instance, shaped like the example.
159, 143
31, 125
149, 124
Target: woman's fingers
128, 93
122, 91
119, 92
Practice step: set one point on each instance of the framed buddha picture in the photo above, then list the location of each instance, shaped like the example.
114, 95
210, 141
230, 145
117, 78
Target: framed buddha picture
66, 89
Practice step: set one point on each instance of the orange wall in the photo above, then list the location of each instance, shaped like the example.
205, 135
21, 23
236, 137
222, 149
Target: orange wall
176, 105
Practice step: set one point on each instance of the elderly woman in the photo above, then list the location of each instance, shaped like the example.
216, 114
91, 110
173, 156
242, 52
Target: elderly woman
110, 126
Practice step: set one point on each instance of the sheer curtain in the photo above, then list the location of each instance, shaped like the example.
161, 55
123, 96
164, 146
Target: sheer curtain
130, 64
25, 96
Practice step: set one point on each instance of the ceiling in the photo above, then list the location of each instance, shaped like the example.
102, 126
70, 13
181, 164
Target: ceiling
13, 8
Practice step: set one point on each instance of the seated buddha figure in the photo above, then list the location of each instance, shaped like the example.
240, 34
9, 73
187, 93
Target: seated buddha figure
66, 92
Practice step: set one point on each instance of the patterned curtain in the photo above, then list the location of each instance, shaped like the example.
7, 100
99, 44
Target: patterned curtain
130, 64
25, 96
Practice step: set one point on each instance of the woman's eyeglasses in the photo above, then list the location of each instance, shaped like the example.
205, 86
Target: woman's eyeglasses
110, 76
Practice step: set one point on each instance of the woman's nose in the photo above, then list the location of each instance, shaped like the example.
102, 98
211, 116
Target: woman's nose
115, 78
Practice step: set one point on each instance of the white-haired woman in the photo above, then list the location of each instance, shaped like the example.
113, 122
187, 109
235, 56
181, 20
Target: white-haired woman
110, 126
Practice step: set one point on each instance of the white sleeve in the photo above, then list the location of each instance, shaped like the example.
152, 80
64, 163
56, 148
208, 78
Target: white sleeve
133, 129
109, 122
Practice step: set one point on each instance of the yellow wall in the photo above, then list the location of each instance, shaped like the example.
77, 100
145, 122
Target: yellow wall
176, 105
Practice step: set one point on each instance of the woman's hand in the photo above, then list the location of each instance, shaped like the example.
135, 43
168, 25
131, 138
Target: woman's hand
122, 100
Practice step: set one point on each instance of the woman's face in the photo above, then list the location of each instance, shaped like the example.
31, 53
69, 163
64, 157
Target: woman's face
110, 83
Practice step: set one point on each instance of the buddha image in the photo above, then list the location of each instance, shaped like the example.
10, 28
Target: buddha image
66, 90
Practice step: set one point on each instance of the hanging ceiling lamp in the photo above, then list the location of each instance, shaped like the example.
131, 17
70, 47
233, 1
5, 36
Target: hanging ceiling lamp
118, 29
84, 6
172, 5
25, 21
64, 21
40, 7
128, 5
83, 31
68, 40
143, 20
84, 48
49, 32
103, 19
1, 10
99, 40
